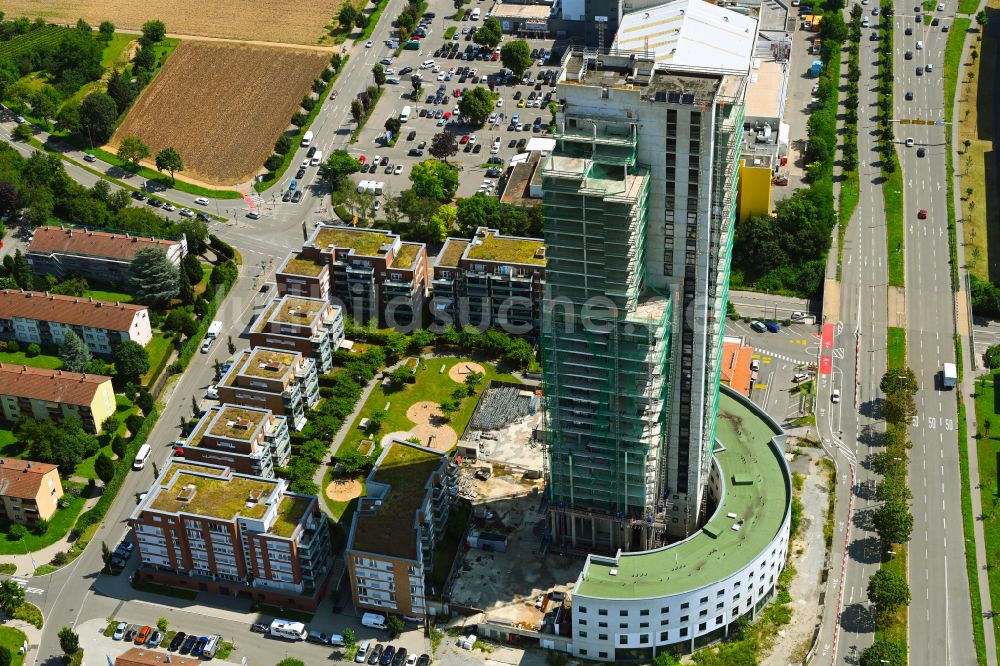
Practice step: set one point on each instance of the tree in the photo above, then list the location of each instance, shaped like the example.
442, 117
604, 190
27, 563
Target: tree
170, 160
290, 662
74, 353
441, 223
6, 656
489, 34
516, 56
119, 446
9, 74
396, 625
68, 640
665, 659
899, 380
888, 591
348, 14
435, 180
884, 652
133, 150
992, 357
192, 267
378, 72
105, 553
154, 31
144, 59
45, 103
899, 407
22, 132
64, 444
443, 146
476, 105
104, 467
348, 636
120, 90
68, 118
337, 167
393, 124
131, 360
357, 110
11, 596
982, 18
107, 30
152, 277
893, 522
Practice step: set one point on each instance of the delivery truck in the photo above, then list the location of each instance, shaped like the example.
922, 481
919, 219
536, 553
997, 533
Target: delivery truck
949, 376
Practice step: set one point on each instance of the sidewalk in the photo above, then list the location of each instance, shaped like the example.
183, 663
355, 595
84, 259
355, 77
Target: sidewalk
26, 563
968, 384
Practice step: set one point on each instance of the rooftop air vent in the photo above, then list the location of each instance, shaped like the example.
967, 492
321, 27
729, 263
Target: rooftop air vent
187, 493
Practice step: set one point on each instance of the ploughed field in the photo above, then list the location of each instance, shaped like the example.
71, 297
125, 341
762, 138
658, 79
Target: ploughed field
222, 106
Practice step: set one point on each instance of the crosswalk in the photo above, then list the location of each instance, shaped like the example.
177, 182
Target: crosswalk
767, 356
23, 582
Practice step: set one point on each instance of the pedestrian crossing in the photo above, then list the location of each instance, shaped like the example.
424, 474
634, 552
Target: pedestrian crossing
767, 357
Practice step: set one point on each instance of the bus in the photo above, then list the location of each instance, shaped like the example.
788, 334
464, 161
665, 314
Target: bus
141, 457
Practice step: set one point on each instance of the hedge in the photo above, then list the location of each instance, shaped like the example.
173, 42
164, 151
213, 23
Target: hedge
194, 342
221, 247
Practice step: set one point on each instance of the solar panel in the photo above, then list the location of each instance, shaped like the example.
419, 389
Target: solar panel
687, 98
660, 97
674, 97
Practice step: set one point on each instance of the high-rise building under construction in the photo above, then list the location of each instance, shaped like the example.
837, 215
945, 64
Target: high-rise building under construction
639, 204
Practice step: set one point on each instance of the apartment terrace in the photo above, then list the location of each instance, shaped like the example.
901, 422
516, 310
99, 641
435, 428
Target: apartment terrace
388, 530
292, 310
290, 512
213, 496
230, 422
369, 243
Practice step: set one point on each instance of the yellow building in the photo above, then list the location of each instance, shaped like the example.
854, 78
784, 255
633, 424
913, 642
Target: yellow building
754, 191
41, 395
28, 490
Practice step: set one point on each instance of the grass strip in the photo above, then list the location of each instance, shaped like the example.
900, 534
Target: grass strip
952, 61
163, 180
372, 21
968, 6
892, 195
271, 178
364, 118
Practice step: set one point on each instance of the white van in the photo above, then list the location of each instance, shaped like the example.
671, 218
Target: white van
377, 187
362, 652
317, 158
475, 14
293, 631
141, 457
362, 186
211, 647
404, 115
427, 64
374, 620
307, 138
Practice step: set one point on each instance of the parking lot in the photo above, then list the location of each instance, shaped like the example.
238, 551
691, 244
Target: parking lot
448, 76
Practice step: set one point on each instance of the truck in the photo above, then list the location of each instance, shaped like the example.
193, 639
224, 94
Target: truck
307, 138
293, 631
949, 376
214, 329
816, 68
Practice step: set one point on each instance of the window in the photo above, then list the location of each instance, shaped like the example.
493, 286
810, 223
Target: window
583, 622
665, 609
644, 625
583, 652
623, 625
623, 612
719, 605
664, 623
602, 637
703, 612
583, 634
663, 636
602, 611
684, 632
602, 655
702, 626
644, 612
602, 625
720, 593
684, 618
718, 620
623, 639
582, 609
643, 638
685, 605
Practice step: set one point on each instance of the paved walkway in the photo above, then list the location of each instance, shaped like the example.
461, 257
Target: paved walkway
968, 382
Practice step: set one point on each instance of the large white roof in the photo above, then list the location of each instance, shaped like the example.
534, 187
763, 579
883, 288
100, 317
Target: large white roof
690, 33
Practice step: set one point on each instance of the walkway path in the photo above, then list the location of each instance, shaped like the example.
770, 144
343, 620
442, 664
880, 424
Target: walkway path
968, 381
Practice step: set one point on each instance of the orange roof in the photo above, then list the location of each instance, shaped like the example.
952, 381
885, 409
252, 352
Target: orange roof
68, 388
68, 240
736, 367
22, 478
137, 656
72, 310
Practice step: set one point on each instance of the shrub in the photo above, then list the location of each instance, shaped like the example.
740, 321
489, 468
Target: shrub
274, 162
33, 350
298, 119
13, 347
17, 532
283, 144
40, 526
134, 423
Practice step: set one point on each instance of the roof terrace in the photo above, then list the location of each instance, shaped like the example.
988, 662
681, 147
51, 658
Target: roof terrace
406, 256
367, 242
452, 251
206, 491
267, 363
298, 264
488, 245
290, 512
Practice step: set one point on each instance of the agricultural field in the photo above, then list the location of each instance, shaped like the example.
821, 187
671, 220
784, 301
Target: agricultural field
49, 34
245, 20
246, 96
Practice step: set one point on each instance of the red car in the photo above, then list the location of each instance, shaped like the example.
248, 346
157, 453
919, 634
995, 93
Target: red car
361, 159
921, 214
447, 115
496, 56
465, 139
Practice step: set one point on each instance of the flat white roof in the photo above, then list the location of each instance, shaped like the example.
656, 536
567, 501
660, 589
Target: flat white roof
765, 89
540, 143
690, 33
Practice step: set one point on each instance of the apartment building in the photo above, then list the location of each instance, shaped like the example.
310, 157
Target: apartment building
398, 522
370, 273
639, 204
28, 490
247, 439
43, 318
41, 395
491, 279
96, 255
286, 383
205, 527
310, 326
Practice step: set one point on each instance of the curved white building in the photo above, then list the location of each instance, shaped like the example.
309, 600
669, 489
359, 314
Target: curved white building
633, 606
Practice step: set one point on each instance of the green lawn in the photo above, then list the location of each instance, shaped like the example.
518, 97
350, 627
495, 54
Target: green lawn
9, 447
988, 452
40, 361
13, 639
431, 384
342, 511
892, 192
60, 523
113, 55
106, 295
158, 349
163, 180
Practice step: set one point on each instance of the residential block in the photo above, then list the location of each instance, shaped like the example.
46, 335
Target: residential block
247, 439
29, 490
41, 395
285, 383
310, 326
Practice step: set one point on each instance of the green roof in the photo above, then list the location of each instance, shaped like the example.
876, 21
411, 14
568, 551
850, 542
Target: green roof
406, 256
389, 530
296, 264
492, 247
267, 364
213, 496
451, 253
364, 242
295, 310
717, 551
290, 512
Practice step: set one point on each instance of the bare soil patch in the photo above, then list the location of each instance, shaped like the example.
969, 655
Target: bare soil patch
222, 106
459, 371
265, 20
344, 490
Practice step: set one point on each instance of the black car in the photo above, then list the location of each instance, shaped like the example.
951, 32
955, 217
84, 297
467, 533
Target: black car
385, 160
311, 151
387, 655
258, 628
405, 70
203, 217
921, 152
411, 136
422, 145
935, 22
300, 174
287, 196
178, 640
297, 197
478, 148
495, 159
415, 152
909, 95
154, 202
909, 30
400, 657
423, 112
468, 148
130, 632
493, 173
376, 654
138, 196
188, 644
517, 95
521, 143
424, 660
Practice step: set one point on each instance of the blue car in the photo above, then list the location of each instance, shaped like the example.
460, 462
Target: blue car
293, 185
199, 647
772, 326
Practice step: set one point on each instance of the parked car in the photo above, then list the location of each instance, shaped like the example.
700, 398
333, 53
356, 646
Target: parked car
772, 326
400, 657
297, 197
259, 627
143, 635
119, 631
131, 631
387, 655
318, 637
154, 639
188, 644
186, 212
758, 326
138, 196
169, 207
177, 641
199, 647
376, 654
